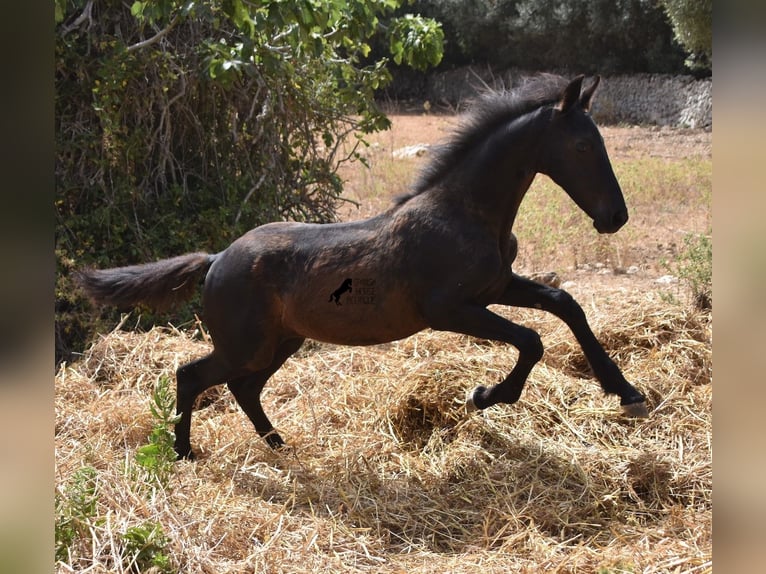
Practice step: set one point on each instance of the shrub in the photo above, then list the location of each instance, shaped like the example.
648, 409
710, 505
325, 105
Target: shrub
181, 125
694, 265
604, 36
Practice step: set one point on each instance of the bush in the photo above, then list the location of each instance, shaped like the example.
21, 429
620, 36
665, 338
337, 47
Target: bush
603, 36
181, 125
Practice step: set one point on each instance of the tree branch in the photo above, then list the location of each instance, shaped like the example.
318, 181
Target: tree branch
154, 39
84, 15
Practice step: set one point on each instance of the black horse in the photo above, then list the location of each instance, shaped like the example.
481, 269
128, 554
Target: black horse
437, 258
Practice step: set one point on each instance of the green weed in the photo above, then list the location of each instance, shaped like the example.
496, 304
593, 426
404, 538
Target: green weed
694, 266
145, 549
158, 456
76, 511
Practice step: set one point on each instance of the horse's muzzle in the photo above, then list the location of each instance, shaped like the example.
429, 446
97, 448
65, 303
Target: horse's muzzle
613, 224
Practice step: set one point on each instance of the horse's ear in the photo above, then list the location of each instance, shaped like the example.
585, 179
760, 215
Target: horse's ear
571, 94
587, 94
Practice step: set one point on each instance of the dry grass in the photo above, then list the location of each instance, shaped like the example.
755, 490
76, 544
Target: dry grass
387, 473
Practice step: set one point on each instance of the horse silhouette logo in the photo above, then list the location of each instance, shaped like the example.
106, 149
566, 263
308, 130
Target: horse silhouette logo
345, 287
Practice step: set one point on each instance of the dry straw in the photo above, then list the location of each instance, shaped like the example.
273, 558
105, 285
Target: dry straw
386, 472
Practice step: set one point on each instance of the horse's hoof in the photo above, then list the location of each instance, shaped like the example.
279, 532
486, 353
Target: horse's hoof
636, 410
470, 401
470, 406
185, 455
275, 441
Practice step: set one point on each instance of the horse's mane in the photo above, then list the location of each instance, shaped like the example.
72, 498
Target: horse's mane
487, 113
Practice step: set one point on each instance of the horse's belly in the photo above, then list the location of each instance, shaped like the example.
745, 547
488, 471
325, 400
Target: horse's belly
361, 315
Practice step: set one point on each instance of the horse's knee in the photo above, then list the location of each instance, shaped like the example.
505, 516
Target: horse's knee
566, 306
530, 347
563, 300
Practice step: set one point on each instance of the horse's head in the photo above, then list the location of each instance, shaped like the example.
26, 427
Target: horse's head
575, 158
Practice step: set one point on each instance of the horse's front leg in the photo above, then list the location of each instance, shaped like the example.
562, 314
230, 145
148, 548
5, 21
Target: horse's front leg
482, 323
523, 292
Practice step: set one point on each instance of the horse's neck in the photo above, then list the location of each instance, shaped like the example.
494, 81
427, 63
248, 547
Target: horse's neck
500, 174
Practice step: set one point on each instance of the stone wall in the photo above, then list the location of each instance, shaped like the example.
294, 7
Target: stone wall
662, 100
642, 99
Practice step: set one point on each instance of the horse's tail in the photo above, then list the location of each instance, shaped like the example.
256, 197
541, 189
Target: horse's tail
158, 285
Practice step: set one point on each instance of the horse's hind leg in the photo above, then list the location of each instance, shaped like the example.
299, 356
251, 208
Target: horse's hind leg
523, 292
482, 323
247, 391
191, 380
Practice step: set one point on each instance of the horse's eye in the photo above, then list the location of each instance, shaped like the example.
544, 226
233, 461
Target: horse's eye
582, 146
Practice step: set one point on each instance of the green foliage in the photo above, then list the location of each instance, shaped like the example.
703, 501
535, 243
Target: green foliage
158, 457
145, 548
416, 40
180, 125
694, 265
77, 522
693, 26
604, 36
76, 509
